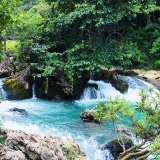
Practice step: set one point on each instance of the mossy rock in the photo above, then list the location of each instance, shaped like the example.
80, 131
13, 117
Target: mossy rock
16, 89
59, 87
115, 148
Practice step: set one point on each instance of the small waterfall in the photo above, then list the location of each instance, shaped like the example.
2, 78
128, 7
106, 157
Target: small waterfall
33, 91
105, 90
2, 92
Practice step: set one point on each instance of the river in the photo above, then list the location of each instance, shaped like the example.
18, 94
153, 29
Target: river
62, 118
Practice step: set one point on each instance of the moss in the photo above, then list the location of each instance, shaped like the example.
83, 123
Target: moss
16, 89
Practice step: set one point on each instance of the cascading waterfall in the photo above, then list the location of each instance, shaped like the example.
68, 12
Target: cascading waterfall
33, 90
105, 90
62, 118
2, 92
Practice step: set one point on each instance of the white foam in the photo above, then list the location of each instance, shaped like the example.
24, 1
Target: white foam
105, 90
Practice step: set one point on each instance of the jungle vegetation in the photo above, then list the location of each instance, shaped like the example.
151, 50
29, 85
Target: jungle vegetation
84, 35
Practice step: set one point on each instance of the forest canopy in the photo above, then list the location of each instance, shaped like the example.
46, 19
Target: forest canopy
83, 35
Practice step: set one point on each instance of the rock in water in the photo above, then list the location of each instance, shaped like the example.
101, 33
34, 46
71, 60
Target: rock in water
115, 148
19, 145
88, 116
22, 111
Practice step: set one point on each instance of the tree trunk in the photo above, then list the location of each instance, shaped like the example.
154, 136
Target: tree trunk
5, 45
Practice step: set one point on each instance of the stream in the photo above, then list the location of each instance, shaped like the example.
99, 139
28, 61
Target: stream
62, 118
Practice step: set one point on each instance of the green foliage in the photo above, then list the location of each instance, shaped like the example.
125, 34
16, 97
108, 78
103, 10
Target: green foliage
80, 36
146, 129
114, 110
157, 64
155, 148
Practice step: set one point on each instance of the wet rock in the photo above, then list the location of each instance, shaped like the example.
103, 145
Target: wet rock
111, 76
92, 85
36, 147
115, 148
22, 111
105, 75
58, 87
120, 85
88, 116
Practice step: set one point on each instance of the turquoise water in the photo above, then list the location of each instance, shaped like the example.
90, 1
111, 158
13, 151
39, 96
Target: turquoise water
63, 118
57, 118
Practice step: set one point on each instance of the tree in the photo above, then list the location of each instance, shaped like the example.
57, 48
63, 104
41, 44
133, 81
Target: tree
85, 35
145, 128
6, 18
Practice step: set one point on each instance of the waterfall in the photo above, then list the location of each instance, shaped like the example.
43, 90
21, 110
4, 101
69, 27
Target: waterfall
2, 92
105, 90
33, 91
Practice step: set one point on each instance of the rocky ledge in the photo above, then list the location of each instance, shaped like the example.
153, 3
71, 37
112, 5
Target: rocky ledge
19, 145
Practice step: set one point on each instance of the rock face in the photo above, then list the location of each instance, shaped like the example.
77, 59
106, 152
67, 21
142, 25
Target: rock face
19, 86
7, 67
19, 145
58, 86
22, 111
88, 116
115, 148
105, 75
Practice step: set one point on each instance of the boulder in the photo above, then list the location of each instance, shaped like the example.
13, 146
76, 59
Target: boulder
10, 153
105, 75
115, 148
35, 147
88, 116
58, 87
19, 86
7, 67
120, 85
22, 111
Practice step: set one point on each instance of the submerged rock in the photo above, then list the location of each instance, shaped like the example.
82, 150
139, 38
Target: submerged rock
88, 116
22, 111
115, 148
19, 145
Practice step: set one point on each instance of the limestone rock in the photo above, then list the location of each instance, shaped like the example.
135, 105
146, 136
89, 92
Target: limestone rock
120, 85
111, 76
18, 86
36, 147
58, 87
88, 116
106, 75
7, 67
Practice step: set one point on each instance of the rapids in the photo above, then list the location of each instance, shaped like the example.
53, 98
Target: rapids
62, 118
